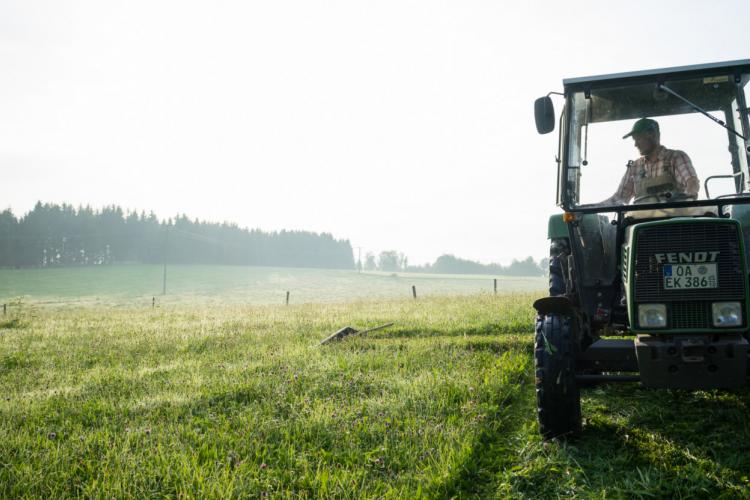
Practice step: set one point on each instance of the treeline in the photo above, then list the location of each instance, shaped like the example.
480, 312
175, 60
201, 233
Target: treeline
61, 235
392, 261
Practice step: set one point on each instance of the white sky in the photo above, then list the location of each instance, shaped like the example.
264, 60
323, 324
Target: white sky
397, 124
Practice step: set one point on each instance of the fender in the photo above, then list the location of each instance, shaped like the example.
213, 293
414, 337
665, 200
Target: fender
556, 305
556, 227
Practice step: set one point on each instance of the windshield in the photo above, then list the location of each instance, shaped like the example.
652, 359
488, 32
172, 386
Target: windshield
686, 147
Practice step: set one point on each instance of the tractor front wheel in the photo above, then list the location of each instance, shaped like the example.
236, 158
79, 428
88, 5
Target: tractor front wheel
557, 395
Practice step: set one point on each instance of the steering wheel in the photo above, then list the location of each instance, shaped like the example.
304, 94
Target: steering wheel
653, 198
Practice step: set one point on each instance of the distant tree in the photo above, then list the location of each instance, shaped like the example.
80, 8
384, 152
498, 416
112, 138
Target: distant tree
544, 265
8, 234
424, 268
389, 261
370, 264
60, 235
450, 264
526, 267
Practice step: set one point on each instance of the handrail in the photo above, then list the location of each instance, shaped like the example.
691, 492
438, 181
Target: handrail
723, 176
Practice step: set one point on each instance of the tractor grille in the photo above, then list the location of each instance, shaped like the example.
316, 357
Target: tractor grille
688, 238
689, 314
689, 308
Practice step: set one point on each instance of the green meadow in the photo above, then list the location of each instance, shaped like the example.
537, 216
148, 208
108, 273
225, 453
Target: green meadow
237, 400
138, 284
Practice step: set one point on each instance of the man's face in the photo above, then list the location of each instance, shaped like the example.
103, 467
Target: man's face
646, 142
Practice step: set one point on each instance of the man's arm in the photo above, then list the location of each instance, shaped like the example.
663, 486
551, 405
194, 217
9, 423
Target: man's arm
625, 190
684, 174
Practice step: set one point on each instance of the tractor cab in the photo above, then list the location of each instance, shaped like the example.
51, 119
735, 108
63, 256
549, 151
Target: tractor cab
648, 261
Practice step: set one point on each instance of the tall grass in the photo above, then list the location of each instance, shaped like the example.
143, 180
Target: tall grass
240, 401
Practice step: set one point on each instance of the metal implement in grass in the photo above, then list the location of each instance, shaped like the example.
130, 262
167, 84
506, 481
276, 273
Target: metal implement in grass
348, 331
654, 290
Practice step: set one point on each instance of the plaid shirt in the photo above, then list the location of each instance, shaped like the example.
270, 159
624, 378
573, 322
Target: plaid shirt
667, 160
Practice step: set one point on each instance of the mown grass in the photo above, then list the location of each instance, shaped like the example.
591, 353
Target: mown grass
240, 401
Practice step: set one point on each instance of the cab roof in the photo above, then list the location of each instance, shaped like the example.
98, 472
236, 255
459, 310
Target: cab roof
710, 69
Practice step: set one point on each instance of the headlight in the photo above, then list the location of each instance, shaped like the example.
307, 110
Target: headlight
727, 313
652, 315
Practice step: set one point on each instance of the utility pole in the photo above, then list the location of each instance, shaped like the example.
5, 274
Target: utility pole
166, 244
359, 260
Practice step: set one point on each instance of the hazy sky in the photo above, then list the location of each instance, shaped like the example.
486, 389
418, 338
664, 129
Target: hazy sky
396, 124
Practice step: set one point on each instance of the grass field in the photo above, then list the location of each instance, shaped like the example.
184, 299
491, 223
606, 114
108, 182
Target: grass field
130, 285
237, 400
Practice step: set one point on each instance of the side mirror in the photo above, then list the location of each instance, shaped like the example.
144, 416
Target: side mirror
544, 114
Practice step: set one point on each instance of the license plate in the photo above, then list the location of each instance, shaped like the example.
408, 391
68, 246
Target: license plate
687, 276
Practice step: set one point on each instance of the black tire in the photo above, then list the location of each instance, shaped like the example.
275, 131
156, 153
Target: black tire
558, 257
557, 395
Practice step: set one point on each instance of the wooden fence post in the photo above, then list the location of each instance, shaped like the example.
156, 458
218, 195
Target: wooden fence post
287, 298
495, 284
414, 291
153, 302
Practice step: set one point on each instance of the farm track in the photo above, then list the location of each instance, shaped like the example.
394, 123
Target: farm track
237, 401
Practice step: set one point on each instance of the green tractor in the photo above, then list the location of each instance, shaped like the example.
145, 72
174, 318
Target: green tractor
649, 284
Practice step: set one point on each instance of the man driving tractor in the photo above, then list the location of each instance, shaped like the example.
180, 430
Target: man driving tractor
660, 174
651, 286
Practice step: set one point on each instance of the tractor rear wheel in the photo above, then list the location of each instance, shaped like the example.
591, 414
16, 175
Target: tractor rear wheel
557, 395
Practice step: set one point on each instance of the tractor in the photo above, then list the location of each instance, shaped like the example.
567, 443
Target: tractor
650, 287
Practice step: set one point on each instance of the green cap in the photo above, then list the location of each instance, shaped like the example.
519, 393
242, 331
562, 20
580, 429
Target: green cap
642, 126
